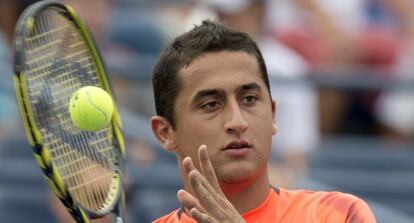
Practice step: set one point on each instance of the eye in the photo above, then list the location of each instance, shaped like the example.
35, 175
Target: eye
249, 99
211, 105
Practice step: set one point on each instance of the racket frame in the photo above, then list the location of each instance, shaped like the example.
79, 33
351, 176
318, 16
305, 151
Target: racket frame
41, 152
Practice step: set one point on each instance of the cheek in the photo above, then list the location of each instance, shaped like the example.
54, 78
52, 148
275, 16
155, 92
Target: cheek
197, 133
263, 128
193, 135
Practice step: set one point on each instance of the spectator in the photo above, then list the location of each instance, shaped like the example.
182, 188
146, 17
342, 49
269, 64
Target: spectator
343, 37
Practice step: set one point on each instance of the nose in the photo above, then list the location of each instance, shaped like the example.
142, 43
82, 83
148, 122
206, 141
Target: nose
235, 122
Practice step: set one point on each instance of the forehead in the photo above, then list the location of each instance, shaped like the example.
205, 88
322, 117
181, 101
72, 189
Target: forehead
220, 69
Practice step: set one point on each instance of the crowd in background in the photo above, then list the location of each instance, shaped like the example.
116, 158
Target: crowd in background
301, 40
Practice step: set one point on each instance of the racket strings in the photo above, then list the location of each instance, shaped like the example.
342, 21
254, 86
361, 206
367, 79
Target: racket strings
58, 64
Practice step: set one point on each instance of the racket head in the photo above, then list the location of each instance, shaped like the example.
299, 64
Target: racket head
55, 55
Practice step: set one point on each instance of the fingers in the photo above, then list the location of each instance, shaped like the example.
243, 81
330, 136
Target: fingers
188, 165
206, 194
207, 203
201, 217
207, 168
189, 201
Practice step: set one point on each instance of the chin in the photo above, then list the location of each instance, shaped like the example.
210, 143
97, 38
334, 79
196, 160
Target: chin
235, 182
230, 175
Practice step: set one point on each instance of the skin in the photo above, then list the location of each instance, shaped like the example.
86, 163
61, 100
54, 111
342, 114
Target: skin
223, 99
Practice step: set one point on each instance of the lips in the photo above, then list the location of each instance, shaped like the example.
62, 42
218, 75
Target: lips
239, 144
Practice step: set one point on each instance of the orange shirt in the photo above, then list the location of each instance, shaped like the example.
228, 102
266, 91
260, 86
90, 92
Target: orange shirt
293, 206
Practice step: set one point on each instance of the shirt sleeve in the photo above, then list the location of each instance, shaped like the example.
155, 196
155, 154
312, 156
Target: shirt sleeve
341, 207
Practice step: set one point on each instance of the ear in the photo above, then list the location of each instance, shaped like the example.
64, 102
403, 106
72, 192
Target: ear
274, 126
164, 132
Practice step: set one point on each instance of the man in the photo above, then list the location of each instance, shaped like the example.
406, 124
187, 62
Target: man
216, 113
299, 135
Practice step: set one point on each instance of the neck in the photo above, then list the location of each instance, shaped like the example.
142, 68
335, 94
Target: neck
247, 195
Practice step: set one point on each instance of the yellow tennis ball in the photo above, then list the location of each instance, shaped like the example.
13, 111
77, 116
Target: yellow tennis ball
91, 108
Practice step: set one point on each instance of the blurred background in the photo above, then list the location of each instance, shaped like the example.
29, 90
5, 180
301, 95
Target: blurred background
342, 73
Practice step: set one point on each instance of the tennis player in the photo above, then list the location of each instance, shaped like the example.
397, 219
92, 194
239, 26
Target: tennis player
215, 111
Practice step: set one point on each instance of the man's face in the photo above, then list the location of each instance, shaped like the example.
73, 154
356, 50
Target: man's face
224, 103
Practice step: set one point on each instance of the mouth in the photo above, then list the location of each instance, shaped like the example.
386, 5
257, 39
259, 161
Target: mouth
238, 145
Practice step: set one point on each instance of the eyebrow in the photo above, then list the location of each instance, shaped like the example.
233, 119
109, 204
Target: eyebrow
208, 92
250, 86
220, 93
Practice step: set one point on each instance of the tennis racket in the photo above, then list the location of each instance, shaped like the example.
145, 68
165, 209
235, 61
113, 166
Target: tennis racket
54, 57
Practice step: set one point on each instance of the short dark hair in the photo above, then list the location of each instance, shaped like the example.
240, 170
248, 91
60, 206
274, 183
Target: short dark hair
205, 38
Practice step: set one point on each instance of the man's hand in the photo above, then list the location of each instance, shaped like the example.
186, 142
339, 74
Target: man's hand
208, 204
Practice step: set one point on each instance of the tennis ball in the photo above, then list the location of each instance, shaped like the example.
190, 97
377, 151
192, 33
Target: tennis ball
91, 108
